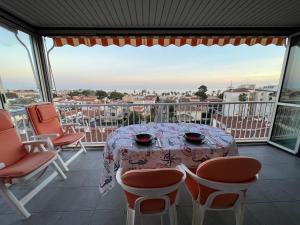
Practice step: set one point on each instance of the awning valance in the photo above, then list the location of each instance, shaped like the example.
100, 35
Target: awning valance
167, 40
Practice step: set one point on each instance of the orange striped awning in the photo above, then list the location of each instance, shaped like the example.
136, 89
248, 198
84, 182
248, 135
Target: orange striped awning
167, 40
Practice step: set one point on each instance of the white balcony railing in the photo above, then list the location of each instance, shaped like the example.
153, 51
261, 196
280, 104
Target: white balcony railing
246, 121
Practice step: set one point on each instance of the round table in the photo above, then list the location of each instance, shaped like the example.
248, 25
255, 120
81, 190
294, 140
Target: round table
168, 150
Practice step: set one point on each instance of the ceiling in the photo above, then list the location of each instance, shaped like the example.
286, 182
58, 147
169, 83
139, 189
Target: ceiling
53, 17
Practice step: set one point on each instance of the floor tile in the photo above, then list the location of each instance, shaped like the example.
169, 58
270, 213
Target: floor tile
269, 214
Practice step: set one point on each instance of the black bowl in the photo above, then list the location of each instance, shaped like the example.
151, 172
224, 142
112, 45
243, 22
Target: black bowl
194, 137
143, 139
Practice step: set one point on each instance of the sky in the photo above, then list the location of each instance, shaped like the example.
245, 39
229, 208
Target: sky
152, 68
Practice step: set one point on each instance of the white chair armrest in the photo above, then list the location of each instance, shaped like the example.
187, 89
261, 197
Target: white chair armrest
71, 124
149, 192
36, 144
44, 136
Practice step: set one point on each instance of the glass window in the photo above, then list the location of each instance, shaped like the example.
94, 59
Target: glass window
18, 81
17, 72
290, 92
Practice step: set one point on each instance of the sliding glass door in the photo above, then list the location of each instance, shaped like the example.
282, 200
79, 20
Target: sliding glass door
286, 127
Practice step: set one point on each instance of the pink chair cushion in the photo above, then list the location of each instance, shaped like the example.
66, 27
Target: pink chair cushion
27, 164
5, 121
67, 139
46, 112
11, 147
43, 122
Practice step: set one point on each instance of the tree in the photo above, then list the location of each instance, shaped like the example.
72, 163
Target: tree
243, 97
202, 88
74, 93
116, 95
144, 92
201, 93
101, 94
88, 93
220, 94
187, 94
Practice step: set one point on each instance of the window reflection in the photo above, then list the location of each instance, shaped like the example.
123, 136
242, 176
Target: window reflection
290, 92
286, 128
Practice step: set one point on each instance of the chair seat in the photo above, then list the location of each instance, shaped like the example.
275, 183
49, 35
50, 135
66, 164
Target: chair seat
27, 164
67, 139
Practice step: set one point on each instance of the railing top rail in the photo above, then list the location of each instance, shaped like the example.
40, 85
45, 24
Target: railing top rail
61, 105
154, 104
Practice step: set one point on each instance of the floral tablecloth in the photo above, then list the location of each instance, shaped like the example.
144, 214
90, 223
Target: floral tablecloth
169, 148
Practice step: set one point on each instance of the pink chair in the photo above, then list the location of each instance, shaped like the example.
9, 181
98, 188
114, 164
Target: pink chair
45, 122
22, 161
151, 192
221, 184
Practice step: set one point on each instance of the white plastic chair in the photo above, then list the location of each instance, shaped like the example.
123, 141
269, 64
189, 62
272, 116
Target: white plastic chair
218, 189
151, 193
22, 161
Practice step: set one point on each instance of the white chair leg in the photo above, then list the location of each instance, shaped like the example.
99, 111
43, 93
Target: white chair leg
239, 214
62, 163
177, 197
200, 215
195, 213
10, 197
130, 217
82, 147
243, 207
162, 220
173, 215
59, 171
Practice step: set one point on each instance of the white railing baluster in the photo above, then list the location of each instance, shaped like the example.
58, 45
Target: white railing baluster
228, 113
232, 118
217, 115
222, 116
257, 120
242, 122
262, 122
251, 123
211, 115
25, 127
206, 112
245, 119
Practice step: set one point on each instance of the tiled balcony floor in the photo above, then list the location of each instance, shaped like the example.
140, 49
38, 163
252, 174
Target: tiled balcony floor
274, 200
